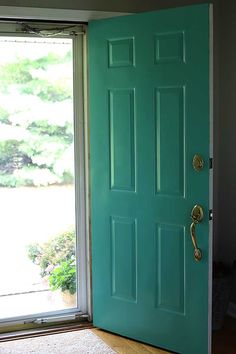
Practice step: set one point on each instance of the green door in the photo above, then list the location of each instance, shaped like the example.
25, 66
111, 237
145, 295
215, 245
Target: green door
149, 116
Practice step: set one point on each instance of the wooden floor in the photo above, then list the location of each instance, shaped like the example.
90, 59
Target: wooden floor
224, 340
123, 345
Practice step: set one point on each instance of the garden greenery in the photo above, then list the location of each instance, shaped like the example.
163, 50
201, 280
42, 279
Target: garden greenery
56, 259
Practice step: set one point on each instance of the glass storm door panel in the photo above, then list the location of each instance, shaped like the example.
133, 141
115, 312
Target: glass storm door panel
37, 227
149, 109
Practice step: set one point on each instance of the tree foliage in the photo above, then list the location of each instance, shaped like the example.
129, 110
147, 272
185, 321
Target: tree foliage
35, 151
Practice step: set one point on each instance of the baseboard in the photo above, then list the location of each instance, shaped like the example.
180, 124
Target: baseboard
232, 310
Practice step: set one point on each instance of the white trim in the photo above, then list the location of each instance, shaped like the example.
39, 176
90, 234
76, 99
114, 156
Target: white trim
44, 319
87, 178
210, 256
11, 321
48, 14
80, 185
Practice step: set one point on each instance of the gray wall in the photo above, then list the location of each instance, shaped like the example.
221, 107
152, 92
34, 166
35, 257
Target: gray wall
227, 133
227, 137
102, 5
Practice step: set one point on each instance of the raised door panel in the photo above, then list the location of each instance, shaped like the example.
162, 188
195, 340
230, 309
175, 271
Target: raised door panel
122, 139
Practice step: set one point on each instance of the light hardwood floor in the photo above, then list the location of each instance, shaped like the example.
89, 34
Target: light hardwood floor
123, 345
224, 341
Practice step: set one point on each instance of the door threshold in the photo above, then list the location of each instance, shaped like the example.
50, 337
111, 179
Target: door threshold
37, 332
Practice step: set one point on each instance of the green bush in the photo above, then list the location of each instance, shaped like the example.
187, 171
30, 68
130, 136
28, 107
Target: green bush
63, 277
56, 259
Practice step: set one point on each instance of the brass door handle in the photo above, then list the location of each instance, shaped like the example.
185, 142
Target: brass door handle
197, 216
197, 251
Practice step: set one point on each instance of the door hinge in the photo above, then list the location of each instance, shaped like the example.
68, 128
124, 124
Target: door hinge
210, 163
210, 214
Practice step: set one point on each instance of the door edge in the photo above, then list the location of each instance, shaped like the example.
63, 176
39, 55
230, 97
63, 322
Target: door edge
210, 270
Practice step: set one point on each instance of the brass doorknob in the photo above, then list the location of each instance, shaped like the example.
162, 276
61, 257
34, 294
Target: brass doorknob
197, 216
198, 163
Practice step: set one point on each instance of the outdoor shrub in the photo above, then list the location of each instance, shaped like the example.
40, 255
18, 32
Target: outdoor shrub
56, 259
63, 277
34, 252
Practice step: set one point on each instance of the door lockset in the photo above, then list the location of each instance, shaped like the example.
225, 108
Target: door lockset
197, 216
198, 163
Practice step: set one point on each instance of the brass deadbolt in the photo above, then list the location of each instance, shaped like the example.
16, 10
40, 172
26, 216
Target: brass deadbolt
198, 163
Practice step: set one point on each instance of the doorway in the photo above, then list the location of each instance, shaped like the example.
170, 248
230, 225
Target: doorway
168, 92
42, 257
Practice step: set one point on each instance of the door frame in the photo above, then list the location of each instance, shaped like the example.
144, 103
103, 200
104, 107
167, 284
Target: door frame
10, 29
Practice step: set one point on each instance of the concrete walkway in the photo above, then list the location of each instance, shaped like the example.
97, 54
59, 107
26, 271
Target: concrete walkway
30, 215
31, 303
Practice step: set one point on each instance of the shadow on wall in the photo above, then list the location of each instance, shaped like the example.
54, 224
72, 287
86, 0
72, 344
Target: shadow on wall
104, 5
